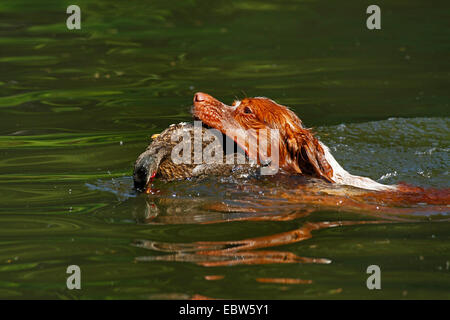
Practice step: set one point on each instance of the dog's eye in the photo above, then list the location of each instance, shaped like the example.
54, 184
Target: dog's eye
247, 110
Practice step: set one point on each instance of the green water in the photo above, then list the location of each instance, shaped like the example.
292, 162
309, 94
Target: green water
78, 106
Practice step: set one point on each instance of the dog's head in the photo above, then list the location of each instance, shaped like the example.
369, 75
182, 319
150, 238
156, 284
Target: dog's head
299, 150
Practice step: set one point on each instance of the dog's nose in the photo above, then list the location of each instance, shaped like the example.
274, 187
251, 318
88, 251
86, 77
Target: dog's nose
200, 96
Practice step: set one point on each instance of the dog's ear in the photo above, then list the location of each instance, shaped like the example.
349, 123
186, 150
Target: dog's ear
314, 155
306, 153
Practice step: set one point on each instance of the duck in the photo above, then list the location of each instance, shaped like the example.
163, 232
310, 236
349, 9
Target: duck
161, 159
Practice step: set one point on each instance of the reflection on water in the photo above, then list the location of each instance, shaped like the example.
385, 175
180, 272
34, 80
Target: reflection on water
229, 253
276, 198
248, 251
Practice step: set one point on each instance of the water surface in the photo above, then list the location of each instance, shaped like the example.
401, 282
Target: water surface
77, 107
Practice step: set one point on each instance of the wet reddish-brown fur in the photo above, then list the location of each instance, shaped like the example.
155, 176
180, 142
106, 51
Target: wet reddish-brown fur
299, 150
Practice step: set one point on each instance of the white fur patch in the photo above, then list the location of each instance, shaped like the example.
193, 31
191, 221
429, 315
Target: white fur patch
340, 176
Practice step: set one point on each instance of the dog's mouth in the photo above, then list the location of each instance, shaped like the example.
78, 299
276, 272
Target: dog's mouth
229, 142
214, 114
229, 145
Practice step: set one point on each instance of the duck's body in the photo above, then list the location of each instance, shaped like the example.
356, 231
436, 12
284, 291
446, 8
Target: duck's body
157, 161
